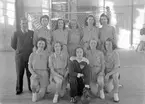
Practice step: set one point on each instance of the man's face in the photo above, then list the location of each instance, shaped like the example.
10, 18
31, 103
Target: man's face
24, 24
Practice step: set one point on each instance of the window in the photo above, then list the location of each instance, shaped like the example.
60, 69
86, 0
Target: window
2, 19
45, 7
11, 1
10, 11
1, 12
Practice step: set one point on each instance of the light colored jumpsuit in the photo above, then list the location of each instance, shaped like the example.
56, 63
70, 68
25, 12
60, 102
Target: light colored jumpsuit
73, 40
39, 64
61, 36
58, 64
105, 33
89, 34
45, 33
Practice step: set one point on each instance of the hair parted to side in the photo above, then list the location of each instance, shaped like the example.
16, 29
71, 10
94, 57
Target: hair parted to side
84, 54
104, 15
77, 25
44, 16
56, 27
53, 45
86, 23
114, 46
41, 39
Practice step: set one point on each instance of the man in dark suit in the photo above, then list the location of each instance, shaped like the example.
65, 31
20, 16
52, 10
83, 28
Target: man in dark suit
22, 43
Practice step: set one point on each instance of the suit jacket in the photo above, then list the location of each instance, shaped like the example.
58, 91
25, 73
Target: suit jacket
22, 43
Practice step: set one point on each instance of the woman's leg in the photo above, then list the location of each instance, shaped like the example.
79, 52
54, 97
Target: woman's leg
100, 81
58, 82
43, 85
35, 87
80, 86
116, 86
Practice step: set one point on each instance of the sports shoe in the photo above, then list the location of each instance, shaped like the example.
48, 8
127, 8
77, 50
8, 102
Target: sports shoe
34, 97
55, 99
102, 96
116, 98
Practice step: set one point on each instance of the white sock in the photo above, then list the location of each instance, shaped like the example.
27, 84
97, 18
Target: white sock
102, 95
116, 98
34, 97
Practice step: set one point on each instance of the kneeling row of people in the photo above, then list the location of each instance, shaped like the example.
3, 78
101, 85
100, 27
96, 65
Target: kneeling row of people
90, 69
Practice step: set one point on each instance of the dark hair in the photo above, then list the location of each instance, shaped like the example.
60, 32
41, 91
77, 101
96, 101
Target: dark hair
86, 23
114, 46
84, 54
56, 27
53, 50
69, 25
41, 39
44, 16
104, 15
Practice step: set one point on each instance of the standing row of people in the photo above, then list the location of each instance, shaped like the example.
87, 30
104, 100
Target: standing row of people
74, 51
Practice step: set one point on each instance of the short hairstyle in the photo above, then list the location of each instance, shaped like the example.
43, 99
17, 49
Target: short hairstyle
69, 25
84, 54
44, 16
86, 23
114, 46
97, 47
53, 50
104, 15
56, 27
41, 39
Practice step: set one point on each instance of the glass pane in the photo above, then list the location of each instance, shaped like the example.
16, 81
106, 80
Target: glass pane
1, 12
2, 19
45, 4
11, 14
1, 4
10, 21
45, 12
11, 1
10, 6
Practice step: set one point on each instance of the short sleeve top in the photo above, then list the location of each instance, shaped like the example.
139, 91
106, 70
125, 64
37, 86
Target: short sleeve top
95, 58
89, 34
61, 36
112, 61
39, 60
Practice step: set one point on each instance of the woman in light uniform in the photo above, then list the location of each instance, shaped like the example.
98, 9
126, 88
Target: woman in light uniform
96, 59
74, 37
44, 32
112, 65
61, 34
90, 31
38, 66
58, 64
106, 31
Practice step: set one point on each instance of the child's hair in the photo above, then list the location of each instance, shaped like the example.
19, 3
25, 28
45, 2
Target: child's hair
53, 50
84, 54
56, 27
41, 39
44, 16
86, 23
104, 15
114, 46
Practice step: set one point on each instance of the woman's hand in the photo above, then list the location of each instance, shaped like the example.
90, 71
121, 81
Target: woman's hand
107, 77
80, 75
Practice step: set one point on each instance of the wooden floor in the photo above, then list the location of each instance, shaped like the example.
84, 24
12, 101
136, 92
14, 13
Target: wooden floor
132, 78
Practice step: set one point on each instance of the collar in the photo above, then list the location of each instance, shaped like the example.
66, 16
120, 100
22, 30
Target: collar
56, 55
24, 31
83, 59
